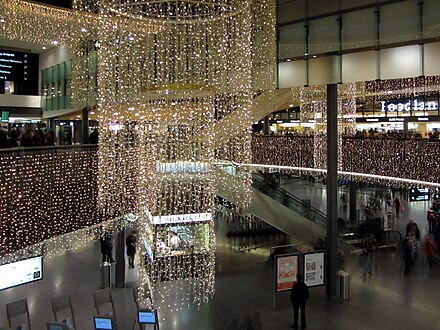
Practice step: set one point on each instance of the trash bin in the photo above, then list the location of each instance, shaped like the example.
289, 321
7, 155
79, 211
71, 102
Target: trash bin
344, 285
105, 268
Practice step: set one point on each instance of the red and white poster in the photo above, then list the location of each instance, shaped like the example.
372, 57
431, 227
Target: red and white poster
286, 271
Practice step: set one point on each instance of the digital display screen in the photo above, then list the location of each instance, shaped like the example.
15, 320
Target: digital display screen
419, 194
53, 326
5, 116
18, 66
103, 323
21, 272
146, 317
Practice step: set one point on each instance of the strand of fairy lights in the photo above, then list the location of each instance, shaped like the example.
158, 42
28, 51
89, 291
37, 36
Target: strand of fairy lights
342, 173
158, 93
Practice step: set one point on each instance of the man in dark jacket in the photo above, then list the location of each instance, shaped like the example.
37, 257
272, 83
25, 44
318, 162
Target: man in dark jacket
298, 296
130, 242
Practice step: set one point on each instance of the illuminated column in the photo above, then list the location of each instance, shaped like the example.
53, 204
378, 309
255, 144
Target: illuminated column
167, 73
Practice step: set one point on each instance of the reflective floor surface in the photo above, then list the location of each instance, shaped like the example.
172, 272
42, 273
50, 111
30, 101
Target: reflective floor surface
244, 291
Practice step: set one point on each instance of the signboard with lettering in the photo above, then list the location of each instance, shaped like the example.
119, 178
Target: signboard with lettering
18, 66
415, 105
419, 194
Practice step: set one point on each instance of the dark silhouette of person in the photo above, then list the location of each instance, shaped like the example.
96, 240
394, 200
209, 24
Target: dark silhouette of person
130, 243
94, 137
408, 256
298, 296
107, 248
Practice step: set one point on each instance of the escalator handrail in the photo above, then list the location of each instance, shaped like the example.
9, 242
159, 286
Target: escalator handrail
308, 211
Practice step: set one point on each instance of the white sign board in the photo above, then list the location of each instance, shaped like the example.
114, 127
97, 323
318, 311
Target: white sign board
314, 268
21, 272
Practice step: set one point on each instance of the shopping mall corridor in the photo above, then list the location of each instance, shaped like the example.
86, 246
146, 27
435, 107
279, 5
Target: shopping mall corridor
244, 291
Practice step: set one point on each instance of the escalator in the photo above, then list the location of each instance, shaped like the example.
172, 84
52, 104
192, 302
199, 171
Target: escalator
275, 206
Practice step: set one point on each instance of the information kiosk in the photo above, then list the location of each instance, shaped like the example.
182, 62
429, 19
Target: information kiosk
148, 319
56, 326
104, 323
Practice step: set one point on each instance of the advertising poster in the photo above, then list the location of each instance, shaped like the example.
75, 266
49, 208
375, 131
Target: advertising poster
314, 268
286, 271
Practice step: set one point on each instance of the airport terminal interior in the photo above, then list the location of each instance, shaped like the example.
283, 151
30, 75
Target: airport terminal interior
182, 164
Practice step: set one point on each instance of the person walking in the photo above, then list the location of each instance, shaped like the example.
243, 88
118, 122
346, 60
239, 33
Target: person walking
130, 243
408, 256
430, 249
397, 205
298, 296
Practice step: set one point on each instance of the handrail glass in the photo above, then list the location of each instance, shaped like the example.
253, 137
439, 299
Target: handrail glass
281, 195
289, 200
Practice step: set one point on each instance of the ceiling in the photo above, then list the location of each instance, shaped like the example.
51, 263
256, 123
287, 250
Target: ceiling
22, 46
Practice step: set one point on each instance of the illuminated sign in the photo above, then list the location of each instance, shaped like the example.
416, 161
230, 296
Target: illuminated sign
416, 105
179, 218
18, 66
21, 272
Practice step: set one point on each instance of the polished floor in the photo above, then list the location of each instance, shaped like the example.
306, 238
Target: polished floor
244, 290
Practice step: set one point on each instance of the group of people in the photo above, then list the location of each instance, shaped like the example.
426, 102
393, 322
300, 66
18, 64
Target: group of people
32, 137
36, 136
397, 134
107, 248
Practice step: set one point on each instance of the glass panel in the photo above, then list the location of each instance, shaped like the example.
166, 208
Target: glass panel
324, 35
49, 104
55, 72
319, 7
359, 29
431, 27
43, 76
68, 69
61, 102
400, 22
350, 4
43, 104
292, 41
67, 102
50, 75
290, 11
61, 71
67, 83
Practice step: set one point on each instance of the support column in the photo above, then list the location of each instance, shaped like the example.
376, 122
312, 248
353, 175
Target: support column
85, 126
332, 189
120, 259
266, 126
352, 202
405, 128
51, 124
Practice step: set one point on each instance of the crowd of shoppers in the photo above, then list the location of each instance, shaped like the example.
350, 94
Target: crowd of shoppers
21, 137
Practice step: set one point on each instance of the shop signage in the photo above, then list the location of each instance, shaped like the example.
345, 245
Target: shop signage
416, 105
180, 218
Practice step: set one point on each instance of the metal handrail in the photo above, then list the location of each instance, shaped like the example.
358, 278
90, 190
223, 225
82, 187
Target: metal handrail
291, 201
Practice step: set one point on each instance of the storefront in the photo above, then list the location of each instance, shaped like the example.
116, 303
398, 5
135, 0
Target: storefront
179, 243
